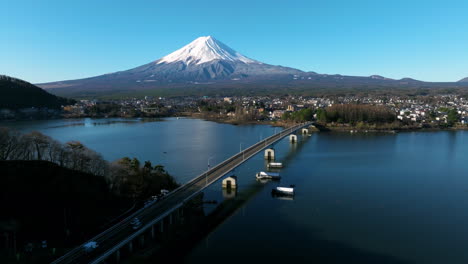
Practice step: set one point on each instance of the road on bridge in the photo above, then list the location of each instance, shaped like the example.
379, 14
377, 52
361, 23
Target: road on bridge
122, 233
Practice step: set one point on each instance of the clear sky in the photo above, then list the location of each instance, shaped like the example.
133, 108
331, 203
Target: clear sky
53, 40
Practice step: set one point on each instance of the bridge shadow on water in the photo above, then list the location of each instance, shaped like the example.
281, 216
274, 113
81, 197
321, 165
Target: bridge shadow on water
177, 244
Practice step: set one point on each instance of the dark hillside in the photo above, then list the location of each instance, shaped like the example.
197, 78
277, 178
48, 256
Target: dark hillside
16, 94
43, 201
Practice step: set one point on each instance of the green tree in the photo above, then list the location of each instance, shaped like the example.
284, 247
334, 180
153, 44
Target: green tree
321, 115
452, 117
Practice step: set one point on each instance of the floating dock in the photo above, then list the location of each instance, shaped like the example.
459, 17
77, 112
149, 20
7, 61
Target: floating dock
275, 165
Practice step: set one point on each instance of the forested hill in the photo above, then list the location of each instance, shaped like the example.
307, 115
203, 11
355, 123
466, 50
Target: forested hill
16, 94
41, 200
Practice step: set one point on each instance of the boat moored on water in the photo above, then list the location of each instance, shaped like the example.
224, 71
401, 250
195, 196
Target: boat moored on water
275, 165
288, 191
268, 175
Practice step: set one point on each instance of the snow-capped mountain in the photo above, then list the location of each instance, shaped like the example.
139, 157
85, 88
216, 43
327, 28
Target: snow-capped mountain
202, 50
203, 60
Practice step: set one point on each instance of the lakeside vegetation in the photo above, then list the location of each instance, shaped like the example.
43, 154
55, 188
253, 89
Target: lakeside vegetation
353, 113
338, 117
357, 117
64, 193
299, 116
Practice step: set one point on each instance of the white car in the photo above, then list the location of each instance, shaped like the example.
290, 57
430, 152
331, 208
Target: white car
90, 246
135, 223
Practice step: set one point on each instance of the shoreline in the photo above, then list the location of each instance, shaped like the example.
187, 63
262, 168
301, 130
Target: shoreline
234, 122
324, 127
277, 123
354, 129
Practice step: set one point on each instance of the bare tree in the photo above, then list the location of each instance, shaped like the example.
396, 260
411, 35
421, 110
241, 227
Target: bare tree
8, 142
39, 143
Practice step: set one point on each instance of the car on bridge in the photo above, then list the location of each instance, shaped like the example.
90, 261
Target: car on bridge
90, 246
136, 223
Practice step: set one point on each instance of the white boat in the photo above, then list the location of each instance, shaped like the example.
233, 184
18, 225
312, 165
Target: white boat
268, 175
275, 165
283, 191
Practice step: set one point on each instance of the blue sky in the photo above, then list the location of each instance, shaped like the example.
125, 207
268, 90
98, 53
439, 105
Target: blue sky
53, 40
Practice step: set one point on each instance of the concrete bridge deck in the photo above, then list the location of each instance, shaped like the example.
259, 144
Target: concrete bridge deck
122, 234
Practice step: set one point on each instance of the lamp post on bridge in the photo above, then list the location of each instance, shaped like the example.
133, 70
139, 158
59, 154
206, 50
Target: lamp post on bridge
206, 174
240, 150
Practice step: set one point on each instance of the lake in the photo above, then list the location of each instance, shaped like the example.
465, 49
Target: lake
361, 198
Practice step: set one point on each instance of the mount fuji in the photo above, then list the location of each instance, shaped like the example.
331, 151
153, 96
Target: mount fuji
207, 63
204, 60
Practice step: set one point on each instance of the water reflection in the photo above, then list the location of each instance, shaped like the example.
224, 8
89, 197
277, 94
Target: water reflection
282, 197
229, 193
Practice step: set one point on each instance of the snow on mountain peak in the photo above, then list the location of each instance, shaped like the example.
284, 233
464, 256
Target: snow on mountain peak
204, 49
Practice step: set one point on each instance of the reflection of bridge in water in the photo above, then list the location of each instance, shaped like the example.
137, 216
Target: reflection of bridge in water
163, 213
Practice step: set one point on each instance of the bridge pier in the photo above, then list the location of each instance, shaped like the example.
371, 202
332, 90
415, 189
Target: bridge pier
305, 131
130, 246
142, 240
161, 226
177, 215
293, 138
117, 256
181, 211
270, 154
152, 232
229, 182
180, 214
170, 218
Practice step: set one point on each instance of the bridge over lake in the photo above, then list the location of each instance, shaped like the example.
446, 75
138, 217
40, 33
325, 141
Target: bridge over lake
161, 214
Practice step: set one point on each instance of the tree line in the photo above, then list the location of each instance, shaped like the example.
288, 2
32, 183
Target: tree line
126, 177
302, 115
354, 113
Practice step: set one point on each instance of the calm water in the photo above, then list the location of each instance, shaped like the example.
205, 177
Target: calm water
360, 198
183, 146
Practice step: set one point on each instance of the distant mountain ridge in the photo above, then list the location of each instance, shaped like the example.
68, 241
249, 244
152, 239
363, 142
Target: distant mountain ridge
464, 80
17, 94
207, 63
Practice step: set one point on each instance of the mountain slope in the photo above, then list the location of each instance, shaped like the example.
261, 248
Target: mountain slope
203, 60
465, 80
16, 94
